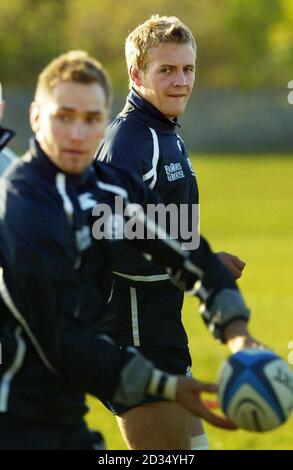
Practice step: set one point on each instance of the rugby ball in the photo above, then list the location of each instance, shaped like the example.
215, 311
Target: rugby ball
256, 389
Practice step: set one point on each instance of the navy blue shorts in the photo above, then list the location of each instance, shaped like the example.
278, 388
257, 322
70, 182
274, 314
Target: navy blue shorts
21, 434
172, 360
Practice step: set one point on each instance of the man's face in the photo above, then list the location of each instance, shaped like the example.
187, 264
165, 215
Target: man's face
69, 123
168, 81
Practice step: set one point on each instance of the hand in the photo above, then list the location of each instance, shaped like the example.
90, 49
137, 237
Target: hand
188, 395
238, 337
232, 263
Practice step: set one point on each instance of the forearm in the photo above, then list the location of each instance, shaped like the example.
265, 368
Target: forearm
237, 328
237, 337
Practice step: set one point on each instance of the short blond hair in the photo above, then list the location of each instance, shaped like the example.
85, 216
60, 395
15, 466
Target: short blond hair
74, 66
153, 32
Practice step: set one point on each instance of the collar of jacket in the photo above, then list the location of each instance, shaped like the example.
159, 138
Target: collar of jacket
150, 115
5, 136
36, 153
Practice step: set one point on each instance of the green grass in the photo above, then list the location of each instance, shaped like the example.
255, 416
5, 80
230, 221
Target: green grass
246, 208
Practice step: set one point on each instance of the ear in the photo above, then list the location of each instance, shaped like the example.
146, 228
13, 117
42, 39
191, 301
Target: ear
34, 115
135, 75
2, 107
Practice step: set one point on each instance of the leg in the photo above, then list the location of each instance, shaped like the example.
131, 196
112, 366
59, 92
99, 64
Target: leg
156, 423
199, 440
198, 437
156, 426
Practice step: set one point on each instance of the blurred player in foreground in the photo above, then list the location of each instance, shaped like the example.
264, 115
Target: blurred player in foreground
6, 155
145, 307
52, 272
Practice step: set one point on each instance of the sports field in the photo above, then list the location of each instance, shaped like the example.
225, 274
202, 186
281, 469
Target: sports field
247, 209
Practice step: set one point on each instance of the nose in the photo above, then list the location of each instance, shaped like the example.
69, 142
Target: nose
77, 131
180, 78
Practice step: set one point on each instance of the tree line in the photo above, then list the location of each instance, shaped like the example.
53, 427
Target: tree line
241, 43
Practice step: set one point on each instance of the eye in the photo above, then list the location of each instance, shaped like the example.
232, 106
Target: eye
189, 69
166, 70
65, 118
93, 119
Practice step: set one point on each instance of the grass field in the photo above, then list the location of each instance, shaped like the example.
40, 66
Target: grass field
246, 208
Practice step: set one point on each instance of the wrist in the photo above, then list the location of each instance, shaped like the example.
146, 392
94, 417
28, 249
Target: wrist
237, 343
163, 384
236, 335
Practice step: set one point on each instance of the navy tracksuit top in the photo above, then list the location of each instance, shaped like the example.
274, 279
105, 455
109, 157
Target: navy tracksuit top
145, 308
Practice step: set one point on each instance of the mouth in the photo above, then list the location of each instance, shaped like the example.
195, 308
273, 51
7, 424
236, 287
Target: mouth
173, 95
74, 152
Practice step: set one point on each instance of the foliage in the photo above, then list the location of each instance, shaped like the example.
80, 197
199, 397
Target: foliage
244, 43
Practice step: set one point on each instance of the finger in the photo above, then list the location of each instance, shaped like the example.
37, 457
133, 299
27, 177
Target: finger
261, 346
211, 404
240, 264
215, 420
205, 387
234, 270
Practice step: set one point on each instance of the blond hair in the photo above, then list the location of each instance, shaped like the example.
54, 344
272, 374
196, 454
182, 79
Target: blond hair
75, 66
153, 32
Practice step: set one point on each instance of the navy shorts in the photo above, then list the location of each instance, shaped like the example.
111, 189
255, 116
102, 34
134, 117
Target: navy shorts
172, 360
21, 434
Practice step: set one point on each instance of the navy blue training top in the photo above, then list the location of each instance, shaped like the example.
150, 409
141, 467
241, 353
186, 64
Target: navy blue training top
145, 308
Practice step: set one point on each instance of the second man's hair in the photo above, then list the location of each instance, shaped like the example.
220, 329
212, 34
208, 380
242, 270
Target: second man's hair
153, 32
75, 66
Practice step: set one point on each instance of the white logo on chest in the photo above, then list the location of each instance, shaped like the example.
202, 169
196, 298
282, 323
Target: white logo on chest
174, 171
